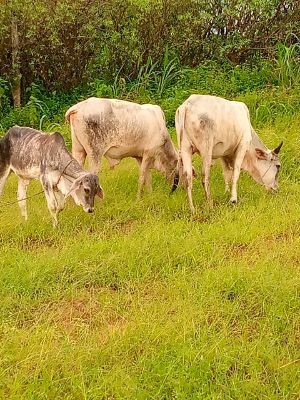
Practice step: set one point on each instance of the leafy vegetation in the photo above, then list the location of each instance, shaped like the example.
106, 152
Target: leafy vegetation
79, 41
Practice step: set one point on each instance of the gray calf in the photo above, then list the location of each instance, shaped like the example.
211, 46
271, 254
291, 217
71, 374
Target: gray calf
32, 154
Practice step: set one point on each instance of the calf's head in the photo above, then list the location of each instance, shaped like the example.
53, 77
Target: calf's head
268, 166
84, 189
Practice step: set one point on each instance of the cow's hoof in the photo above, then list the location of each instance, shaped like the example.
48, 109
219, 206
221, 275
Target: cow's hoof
233, 201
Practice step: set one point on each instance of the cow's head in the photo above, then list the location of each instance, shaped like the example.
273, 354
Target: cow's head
179, 176
268, 166
84, 189
166, 160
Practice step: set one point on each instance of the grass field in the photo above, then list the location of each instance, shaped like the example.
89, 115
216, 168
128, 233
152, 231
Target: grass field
139, 301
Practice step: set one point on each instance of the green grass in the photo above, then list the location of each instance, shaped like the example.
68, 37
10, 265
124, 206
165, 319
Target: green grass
139, 301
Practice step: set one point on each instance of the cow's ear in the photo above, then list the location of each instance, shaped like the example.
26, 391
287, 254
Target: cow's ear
261, 154
100, 192
277, 150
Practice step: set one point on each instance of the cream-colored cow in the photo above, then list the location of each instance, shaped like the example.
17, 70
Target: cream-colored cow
217, 128
117, 129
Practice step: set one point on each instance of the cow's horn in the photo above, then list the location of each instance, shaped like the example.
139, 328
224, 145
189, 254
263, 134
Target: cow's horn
175, 183
277, 150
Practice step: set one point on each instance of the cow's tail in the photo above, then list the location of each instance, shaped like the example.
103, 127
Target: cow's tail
71, 111
77, 147
179, 124
69, 116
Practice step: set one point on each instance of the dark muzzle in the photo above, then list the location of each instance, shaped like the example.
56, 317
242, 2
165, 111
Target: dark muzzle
175, 183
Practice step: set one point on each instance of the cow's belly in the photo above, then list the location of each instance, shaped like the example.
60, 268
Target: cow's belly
222, 150
118, 152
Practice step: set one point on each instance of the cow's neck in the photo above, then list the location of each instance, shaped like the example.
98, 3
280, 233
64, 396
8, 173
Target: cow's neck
170, 159
250, 160
256, 141
250, 164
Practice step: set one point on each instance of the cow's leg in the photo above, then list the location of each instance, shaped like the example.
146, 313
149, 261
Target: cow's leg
239, 157
227, 173
148, 178
139, 161
94, 157
112, 162
22, 192
3, 176
145, 174
78, 151
206, 166
206, 147
186, 153
55, 200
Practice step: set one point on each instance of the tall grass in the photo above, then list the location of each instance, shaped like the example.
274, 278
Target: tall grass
288, 64
139, 301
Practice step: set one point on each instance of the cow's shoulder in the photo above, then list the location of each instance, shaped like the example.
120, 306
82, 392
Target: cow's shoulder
240, 105
154, 109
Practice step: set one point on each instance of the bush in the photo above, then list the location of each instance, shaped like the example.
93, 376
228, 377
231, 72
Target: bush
66, 43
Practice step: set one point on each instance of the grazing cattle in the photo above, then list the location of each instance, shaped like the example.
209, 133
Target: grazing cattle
31, 154
217, 128
117, 129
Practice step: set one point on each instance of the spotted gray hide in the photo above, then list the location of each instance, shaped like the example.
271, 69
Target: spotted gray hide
217, 128
31, 154
117, 129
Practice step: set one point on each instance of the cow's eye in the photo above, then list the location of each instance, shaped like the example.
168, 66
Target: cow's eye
87, 191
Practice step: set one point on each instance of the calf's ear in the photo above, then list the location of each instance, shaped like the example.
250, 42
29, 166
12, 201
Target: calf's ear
261, 154
75, 186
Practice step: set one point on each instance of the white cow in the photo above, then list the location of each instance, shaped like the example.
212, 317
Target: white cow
117, 129
217, 128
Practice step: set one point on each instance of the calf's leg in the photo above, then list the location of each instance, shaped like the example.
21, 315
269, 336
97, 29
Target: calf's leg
22, 193
3, 176
55, 201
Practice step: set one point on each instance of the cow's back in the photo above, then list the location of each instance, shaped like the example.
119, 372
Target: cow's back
228, 121
112, 122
